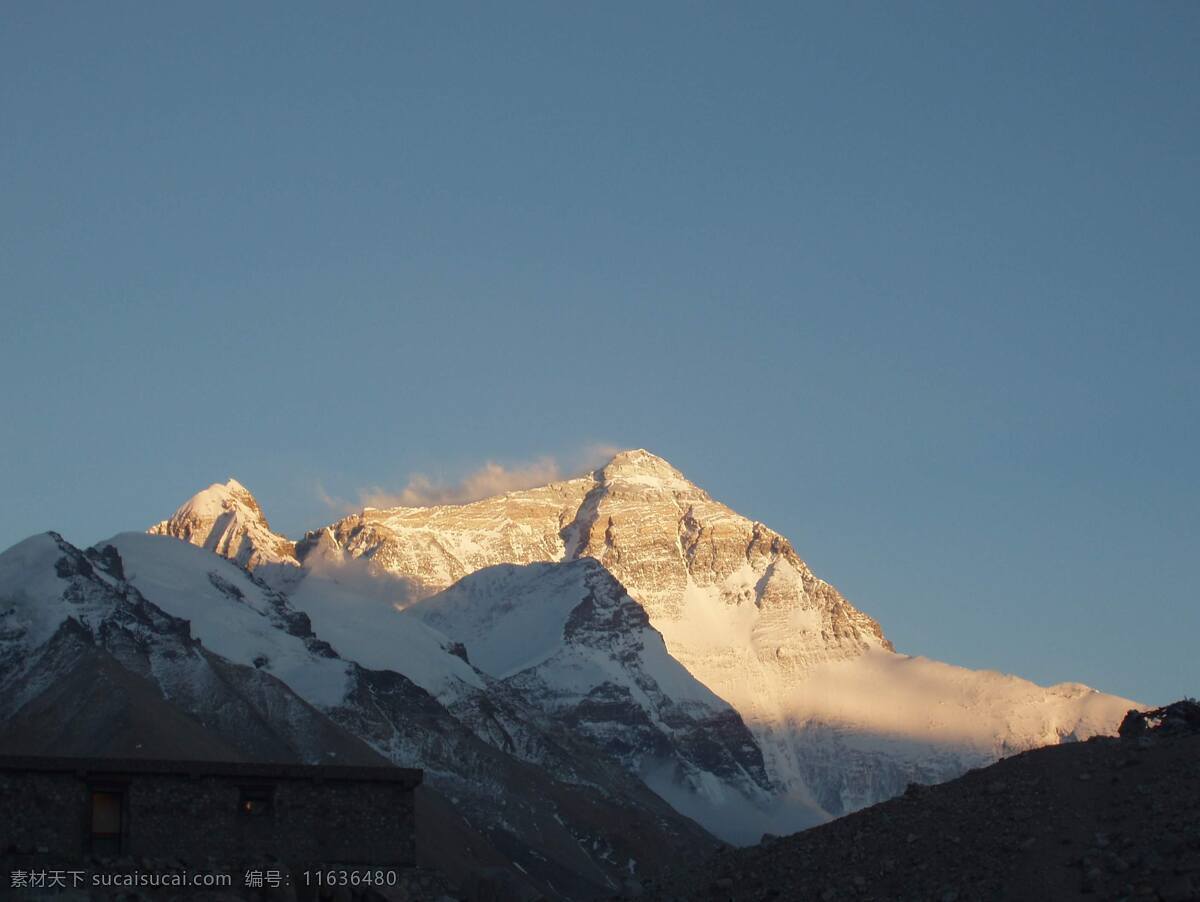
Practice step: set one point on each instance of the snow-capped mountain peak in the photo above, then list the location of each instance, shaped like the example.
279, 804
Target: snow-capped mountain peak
226, 518
746, 616
840, 719
571, 641
638, 467
34, 577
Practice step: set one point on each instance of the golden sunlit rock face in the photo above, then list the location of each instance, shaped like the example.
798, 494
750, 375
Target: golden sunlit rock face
227, 519
440, 545
662, 536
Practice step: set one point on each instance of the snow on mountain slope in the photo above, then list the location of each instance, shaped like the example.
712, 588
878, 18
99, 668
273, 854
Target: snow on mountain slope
740, 610
37, 594
573, 814
65, 614
734, 603
354, 605
227, 519
239, 619
852, 732
511, 617
359, 613
572, 642
245, 620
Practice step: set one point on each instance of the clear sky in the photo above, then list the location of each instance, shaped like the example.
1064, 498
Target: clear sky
915, 284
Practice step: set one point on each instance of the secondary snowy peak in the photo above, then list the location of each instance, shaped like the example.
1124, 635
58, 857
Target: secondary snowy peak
227, 519
40, 588
573, 643
70, 621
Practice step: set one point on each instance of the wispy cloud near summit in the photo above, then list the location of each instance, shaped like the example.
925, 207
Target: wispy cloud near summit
492, 478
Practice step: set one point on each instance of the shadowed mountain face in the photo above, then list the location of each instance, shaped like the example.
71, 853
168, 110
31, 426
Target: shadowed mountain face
148, 646
72, 628
93, 706
569, 640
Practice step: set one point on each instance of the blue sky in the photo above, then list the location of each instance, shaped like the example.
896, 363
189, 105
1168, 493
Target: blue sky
915, 284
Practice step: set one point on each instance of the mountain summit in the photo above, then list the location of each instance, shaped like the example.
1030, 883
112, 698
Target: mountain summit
227, 519
640, 466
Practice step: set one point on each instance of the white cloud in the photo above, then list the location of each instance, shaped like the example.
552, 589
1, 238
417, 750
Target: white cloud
490, 479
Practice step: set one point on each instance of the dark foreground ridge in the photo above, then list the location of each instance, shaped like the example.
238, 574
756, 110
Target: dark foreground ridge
1111, 818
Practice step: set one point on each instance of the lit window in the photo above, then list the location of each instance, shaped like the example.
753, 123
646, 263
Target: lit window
254, 801
106, 822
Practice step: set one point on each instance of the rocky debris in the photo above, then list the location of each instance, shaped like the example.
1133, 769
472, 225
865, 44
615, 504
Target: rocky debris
1024, 828
1177, 717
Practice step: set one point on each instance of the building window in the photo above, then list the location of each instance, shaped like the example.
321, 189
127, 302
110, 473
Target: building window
255, 801
107, 808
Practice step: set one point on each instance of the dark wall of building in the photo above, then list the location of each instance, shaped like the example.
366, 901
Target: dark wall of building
200, 816
45, 811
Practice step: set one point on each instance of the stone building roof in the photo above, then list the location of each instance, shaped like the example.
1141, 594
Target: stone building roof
86, 767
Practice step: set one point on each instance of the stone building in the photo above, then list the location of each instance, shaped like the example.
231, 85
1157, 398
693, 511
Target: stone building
73, 809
